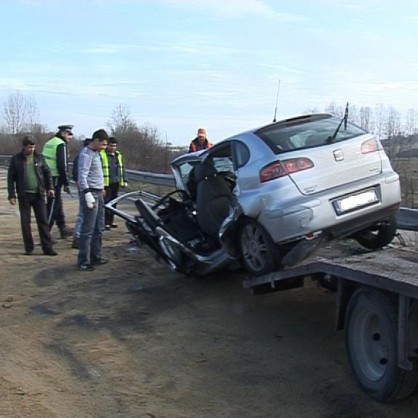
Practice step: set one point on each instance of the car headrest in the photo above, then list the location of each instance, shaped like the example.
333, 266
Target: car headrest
204, 170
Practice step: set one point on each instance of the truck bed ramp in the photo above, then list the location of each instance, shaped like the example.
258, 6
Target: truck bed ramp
392, 269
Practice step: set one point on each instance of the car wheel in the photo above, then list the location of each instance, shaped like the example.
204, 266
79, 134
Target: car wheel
371, 341
378, 235
260, 254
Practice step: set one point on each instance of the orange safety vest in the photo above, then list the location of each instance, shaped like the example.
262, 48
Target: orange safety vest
194, 145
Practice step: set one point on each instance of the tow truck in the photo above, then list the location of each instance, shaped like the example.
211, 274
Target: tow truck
376, 306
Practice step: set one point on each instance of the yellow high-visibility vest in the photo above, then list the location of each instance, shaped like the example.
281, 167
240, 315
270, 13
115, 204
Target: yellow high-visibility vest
50, 154
105, 164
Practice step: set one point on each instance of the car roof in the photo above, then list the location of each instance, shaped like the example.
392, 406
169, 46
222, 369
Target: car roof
260, 129
295, 120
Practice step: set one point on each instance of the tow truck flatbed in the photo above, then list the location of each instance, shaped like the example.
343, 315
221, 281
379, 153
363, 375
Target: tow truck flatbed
391, 269
377, 306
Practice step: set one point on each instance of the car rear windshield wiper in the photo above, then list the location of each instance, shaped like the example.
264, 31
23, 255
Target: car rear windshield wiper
331, 139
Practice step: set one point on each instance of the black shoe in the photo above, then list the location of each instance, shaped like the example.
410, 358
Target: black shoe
107, 227
99, 262
50, 252
30, 252
113, 226
86, 267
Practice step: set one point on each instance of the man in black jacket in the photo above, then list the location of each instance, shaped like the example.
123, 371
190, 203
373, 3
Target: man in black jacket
30, 178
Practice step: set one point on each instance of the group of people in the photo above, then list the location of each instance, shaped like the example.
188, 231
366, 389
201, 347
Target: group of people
36, 180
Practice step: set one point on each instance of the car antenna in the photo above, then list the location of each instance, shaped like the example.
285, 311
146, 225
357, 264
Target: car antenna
277, 100
331, 139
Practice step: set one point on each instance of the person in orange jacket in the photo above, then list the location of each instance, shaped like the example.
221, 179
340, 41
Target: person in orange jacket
200, 142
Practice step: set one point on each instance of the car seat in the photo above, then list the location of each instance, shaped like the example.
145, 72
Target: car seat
213, 198
315, 140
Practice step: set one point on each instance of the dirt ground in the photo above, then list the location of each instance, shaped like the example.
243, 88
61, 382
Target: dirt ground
134, 340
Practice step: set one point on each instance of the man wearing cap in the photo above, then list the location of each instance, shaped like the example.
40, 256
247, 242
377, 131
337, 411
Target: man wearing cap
55, 152
200, 142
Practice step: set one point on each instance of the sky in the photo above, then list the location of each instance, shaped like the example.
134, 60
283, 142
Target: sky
177, 65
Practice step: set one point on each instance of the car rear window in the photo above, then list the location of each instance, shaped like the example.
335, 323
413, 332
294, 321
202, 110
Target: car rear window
306, 132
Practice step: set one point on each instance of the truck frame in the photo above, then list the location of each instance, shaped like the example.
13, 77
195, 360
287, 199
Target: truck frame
376, 306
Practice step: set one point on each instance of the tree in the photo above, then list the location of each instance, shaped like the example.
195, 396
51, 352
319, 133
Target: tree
335, 110
392, 128
121, 122
366, 118
20, 113
410, 127
380, 115
141, 146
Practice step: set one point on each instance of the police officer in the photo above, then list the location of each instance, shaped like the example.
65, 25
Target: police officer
55, 152
200, 142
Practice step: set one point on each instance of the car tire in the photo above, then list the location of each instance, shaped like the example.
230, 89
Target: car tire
371, 341
378, 235
260, 254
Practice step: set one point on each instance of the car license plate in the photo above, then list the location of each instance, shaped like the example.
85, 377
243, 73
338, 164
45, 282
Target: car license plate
355, 201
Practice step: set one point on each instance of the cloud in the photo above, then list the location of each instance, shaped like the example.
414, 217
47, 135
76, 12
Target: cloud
235, 9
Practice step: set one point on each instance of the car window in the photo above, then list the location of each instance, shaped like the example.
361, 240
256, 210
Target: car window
185, 170
221, 156
306, 133
242, 153
223, 164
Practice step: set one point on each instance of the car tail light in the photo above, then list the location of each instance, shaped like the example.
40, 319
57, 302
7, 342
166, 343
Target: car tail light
371, 145
284, 168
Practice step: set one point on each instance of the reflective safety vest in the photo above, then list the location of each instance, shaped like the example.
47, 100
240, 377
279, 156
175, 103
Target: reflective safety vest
50, 154
105, 164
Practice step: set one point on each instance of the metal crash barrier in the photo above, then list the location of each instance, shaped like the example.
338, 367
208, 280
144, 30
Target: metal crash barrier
407, 218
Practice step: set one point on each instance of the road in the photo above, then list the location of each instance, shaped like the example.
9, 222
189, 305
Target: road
134, 340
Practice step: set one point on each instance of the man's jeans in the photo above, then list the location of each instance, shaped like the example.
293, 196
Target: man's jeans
79, 220
92, 228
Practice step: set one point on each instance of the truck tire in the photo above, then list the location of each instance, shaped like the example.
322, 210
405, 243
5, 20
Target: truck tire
371, 342
378, 235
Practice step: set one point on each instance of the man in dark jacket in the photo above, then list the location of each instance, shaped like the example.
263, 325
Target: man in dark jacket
114, 176
55, 152
29, 176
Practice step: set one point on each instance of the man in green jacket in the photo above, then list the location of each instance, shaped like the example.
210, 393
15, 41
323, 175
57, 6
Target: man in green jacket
30, 180
55, 152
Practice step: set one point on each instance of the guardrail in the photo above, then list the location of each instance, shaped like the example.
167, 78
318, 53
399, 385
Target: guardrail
407, 218
152, 178
146, 177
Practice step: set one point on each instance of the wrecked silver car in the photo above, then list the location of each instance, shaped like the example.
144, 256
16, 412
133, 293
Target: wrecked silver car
266, 198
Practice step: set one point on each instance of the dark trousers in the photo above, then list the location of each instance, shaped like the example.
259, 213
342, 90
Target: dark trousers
35, 201
55, 208
112, 192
